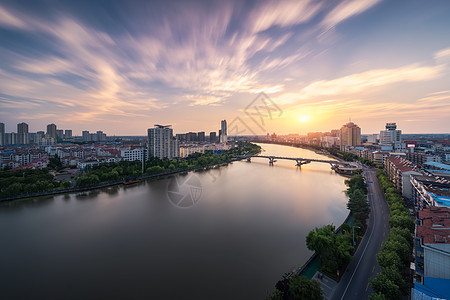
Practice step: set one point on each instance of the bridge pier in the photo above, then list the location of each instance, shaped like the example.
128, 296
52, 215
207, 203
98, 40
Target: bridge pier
301, 162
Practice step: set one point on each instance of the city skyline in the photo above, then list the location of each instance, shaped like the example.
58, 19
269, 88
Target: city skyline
123, 67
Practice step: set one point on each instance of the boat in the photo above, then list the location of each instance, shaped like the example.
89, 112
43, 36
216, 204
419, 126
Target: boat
130, 180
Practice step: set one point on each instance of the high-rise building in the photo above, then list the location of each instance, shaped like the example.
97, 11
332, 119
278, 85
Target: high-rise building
23, 136
212, 137
161, 142
191, 137
11, 138
181, 137
350, 135
86, 136
101, 137
59, 133
38, 137
201, 136
68, 133
51, 130
223, 136
2, 134
391, 137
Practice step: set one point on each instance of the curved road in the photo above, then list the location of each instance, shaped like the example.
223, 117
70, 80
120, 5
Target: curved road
355, 282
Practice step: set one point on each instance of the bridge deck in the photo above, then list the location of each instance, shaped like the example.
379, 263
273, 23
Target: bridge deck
297, 159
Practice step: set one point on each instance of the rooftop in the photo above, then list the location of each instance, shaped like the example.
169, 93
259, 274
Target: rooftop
435, 225
401, 163
438, 165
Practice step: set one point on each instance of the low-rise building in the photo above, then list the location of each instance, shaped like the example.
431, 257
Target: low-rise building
432, 243
399, 171
420, 158
429, 190
132, 154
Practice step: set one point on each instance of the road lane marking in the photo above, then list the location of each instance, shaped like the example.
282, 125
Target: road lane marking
367, 286
373, 269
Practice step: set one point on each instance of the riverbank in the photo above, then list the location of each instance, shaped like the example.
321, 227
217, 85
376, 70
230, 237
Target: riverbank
24, 197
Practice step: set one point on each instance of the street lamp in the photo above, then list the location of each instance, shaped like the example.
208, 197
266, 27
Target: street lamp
353, 230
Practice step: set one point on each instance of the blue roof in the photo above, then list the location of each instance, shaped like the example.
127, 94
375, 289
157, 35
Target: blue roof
438, 165
437, 171
360, 148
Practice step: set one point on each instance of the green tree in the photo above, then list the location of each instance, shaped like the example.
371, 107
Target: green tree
381, 284
402, 221
66, 184
377, 296
301, 288
388, 258
154, 170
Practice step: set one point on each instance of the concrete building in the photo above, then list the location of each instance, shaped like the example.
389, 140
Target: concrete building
430, 190
212, 137
191, 137
51, 130
399, 171
421, 158
85, 135
187, 150
11, 138
2, 134
161, 142
201, 136
132, 154
432, 243
350, 135
373, 138
391, 137
68, 133
59, 133
378, 157
23, 136
224, 133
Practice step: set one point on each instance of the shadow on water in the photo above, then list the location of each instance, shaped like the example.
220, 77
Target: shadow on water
32, 202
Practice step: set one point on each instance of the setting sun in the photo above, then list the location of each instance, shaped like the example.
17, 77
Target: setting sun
303, 119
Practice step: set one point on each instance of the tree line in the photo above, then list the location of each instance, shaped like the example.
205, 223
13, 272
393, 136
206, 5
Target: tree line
28, 181
396, 252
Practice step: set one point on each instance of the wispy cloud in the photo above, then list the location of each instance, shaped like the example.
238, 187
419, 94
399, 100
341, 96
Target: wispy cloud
360, 82
347, 9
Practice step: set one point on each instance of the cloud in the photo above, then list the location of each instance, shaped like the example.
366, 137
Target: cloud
442, 55
347, 9
283, 13
361, 82
9, 20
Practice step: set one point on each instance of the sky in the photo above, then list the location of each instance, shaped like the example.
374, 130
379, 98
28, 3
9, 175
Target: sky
264, 66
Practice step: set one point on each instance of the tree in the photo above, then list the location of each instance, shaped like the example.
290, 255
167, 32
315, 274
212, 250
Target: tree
301, 287
66, 184
154, 170
401, 249
402, 221
382, 285
333, 249
388, 258
377, 296
395, 277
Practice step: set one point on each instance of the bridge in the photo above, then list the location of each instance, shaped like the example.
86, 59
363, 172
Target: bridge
302, 161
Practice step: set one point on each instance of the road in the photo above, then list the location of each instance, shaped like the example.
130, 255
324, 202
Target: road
355, 282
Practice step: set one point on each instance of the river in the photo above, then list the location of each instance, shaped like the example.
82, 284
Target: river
246, 228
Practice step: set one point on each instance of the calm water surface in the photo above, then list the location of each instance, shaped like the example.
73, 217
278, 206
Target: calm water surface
247, 229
